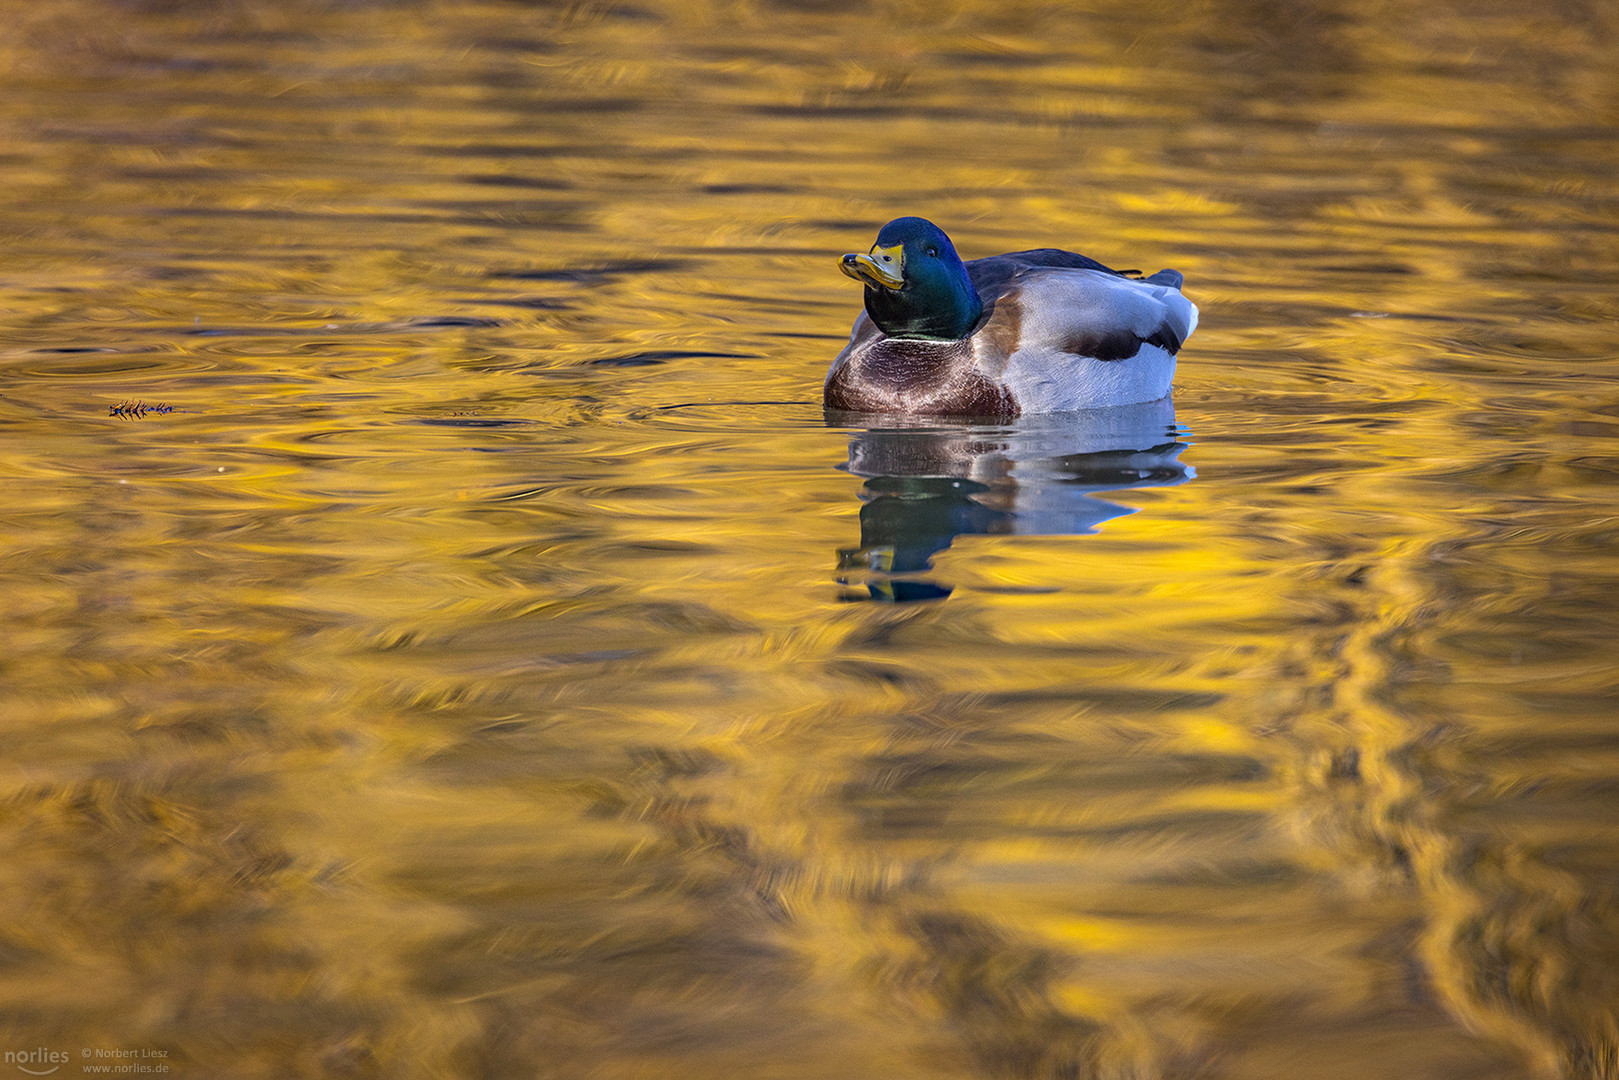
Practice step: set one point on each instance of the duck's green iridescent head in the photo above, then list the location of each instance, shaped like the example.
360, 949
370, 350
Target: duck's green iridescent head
916, 285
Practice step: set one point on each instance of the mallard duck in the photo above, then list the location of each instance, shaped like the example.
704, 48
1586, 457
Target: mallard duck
1029, 332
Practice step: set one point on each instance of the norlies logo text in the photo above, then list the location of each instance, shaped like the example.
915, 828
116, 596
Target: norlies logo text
23, 1059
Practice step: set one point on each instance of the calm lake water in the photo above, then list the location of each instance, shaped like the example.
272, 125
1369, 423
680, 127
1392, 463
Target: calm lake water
444, 637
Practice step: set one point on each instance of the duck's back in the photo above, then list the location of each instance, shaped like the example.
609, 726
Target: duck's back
1091, 338
994, 273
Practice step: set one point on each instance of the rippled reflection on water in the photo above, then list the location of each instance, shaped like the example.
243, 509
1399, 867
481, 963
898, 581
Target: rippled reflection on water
927, 483
443, 662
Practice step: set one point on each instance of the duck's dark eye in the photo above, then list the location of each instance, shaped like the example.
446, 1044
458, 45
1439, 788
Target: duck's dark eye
934, 252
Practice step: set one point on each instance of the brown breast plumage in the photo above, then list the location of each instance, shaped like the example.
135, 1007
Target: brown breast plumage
916, 377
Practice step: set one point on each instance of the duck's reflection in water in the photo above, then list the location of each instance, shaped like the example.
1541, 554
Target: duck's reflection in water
928, 482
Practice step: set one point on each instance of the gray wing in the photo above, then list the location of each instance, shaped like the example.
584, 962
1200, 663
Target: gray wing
1108, 318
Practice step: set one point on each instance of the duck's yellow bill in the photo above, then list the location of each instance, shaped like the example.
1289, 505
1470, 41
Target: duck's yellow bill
884, 267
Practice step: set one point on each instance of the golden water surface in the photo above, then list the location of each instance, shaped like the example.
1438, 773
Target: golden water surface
443, 637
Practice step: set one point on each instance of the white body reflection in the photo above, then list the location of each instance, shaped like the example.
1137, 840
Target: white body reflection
928, 482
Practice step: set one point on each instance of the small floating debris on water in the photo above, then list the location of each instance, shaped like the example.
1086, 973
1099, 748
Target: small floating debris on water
135, 410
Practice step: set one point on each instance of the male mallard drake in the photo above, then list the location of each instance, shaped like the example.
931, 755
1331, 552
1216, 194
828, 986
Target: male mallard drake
1029, 332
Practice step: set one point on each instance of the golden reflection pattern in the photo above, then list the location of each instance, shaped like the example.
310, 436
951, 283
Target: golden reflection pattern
427, 638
